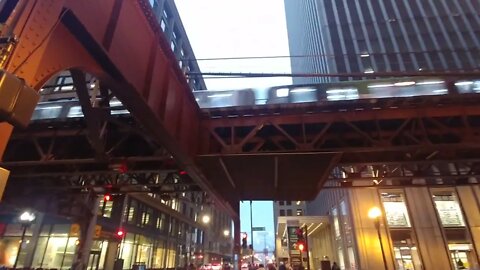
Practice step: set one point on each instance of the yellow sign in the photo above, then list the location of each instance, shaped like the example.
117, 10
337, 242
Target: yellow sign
98, 231
75, 229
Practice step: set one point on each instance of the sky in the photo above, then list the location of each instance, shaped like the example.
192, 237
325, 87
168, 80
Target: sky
240, 28
237, 28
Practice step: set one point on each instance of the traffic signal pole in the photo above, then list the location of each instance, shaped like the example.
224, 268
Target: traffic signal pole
251, 233
308, 247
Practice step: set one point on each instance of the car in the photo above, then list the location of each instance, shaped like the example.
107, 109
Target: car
206, 267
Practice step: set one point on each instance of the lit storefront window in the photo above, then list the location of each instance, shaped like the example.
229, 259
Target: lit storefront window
456, 233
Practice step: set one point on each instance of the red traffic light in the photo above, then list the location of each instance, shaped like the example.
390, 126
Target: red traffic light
301, 246
120, 233
107, 197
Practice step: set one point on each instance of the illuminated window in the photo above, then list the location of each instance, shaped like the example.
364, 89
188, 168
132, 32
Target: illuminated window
448, 209
395, 209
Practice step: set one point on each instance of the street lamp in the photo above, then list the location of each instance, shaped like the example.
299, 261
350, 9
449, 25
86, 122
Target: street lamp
26, 218
375, 213
205, 219
226, 233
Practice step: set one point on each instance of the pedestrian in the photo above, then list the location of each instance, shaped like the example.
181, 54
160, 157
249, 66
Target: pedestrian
282, 266
261, 267
335, 266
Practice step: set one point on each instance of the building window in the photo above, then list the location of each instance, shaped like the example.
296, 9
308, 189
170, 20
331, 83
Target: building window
281, 202
299, 212
289, 212
457, 236
282, 213
448, 210
131, 212
288, 203
395, 209
105, 208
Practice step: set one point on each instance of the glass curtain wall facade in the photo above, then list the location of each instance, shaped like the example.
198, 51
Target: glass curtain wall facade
383, 35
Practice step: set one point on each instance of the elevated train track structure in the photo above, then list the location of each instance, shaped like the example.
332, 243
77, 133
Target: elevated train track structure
279, 149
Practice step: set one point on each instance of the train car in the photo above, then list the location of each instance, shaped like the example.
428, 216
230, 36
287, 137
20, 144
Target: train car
365, 89
63, 109
225, 98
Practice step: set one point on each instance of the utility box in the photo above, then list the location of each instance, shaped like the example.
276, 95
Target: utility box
17, 100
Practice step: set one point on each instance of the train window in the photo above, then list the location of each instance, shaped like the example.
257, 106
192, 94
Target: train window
75, 111
282, 92
220, 99
476, 86
299, 95
342, 94
115, 103
468, 86
46, 112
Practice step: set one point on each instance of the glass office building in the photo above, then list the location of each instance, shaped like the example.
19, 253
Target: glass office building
339, 36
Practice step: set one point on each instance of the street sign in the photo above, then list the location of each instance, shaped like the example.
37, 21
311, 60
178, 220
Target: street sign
258, 229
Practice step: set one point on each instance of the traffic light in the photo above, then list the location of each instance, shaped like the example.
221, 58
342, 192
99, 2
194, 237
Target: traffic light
301, 243
107, 197
120, 233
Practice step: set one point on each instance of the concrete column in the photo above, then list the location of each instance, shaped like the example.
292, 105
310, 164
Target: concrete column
470, 199
111, 255
430, 240
368, 244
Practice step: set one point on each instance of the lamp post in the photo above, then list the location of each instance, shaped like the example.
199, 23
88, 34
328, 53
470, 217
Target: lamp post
26, 218
375, 213
206, 219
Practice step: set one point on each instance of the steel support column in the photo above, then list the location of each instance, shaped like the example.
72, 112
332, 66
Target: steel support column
87, 231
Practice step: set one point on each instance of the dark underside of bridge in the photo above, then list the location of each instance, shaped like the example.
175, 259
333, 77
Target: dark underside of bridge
289, 176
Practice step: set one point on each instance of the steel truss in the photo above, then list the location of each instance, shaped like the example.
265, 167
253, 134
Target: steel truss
348, 132
407, 173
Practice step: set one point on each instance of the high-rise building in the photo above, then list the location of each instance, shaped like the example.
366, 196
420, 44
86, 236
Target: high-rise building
338, 36
417, 226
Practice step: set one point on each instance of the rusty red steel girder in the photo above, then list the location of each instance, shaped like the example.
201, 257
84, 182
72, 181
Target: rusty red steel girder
293, 152
121, 44
355, 131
